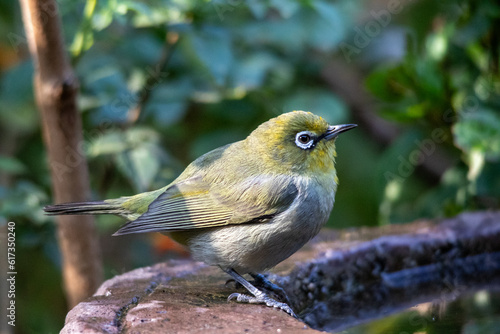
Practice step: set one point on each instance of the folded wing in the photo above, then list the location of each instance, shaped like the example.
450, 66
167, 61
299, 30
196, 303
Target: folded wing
195, 204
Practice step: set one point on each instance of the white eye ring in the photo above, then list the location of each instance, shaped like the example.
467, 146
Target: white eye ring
304, 140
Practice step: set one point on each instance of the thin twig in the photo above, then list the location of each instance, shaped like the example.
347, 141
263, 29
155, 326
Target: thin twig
154, 79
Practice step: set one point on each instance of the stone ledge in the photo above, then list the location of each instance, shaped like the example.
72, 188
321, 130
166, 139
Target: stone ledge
174, 297
190, 297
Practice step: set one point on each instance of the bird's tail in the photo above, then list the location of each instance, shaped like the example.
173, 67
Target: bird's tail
84, 208
128, 207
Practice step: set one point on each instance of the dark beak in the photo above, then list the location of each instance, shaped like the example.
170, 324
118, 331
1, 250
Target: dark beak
334, 130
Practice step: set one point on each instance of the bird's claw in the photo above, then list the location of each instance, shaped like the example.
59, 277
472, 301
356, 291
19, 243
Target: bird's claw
262, 282
262, 299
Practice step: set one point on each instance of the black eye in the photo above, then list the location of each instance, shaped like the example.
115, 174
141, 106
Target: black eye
304, 140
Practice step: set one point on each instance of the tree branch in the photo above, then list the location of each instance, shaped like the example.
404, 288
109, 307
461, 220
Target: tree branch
56, 89
154, 78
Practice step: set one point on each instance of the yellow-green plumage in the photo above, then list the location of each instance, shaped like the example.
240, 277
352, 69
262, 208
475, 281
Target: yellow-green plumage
245, 206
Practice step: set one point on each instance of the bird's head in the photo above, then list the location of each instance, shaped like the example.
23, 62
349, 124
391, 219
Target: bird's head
297, 142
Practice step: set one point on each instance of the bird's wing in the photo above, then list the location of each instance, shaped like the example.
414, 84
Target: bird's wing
194, 204
258, 198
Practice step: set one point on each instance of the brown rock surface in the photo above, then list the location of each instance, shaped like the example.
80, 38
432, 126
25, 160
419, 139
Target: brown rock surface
327, 274
174, 297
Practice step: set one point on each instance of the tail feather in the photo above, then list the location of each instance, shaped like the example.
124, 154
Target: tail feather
83, 208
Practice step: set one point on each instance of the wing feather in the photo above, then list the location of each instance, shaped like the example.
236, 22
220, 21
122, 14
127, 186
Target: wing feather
194, 204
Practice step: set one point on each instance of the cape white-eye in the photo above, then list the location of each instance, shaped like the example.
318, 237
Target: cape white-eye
246, 206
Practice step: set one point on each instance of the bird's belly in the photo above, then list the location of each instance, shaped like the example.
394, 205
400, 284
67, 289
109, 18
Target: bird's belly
254, 247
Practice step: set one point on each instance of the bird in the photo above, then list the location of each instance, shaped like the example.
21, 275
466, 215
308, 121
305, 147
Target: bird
245, 206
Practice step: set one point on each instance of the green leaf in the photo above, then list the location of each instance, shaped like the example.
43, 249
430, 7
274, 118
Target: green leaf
11, 165
288, 35
109, 143
319, 102
212, 140
387, 84
168, 102
399, 161
137, 153
479, 131
326, 27
476, 27
104, 16
417, 111
258, 8
428, 79
150, 50
212, 48
395, 169
250, 72
286, 8
24, 199
84, 38
124, 7
17, 110
104, 80
140, 165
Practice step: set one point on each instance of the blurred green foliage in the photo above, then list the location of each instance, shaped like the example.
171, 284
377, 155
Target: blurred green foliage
446, 92
206, 73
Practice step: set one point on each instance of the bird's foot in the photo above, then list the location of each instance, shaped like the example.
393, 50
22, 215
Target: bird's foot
262, 298
262, 282
258, 295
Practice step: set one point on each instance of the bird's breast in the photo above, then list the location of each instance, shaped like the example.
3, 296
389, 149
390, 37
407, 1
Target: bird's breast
254, 247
